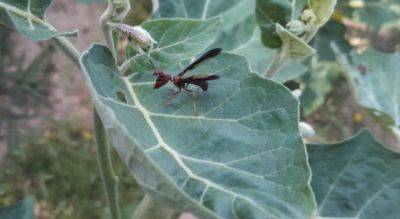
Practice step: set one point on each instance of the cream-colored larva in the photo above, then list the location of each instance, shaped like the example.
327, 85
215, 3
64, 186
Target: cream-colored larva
137, 34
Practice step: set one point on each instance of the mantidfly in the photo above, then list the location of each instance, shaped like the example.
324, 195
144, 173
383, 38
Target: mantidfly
182, 83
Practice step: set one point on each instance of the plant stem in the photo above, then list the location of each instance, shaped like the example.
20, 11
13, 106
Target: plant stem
68, 48
148, 209
276, 64
109, 179
114, 14
104, 19
125, 66
108, 176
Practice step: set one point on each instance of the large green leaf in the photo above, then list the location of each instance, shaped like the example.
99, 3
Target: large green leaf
357, 178
238, 24
178, 39
378, 13
27, 16
375, 77
241, 157
238, 33
21, 210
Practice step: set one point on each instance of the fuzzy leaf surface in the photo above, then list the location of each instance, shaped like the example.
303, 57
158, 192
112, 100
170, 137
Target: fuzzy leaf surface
177, 40
375, 78
241, 156
238, 33
322, 9
268, 14
356, 178
27, 17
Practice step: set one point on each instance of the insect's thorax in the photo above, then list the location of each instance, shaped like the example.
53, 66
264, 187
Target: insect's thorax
178, 81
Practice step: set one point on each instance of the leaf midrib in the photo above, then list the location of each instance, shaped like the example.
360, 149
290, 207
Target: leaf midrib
177, 157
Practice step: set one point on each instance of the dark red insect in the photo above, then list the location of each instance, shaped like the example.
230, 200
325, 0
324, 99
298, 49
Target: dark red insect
181, 82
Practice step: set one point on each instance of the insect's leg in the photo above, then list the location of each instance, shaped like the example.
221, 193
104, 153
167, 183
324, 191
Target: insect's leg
194, 104
194, 99
172, 95
187, 90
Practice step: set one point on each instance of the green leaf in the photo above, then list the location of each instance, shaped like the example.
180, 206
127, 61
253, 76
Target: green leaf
323, 9
21, 210
378, 13
238, 33
375, 78
238, 22
356, 178
242, 156
332, 32
268, 14
293, 47
298, 7
178, 39
261, 56
27, 17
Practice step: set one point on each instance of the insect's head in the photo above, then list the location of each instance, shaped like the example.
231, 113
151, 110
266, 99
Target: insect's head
162, 78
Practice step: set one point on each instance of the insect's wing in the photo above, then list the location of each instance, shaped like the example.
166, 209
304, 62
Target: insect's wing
207, 55
200, 81
203, 85
200, 78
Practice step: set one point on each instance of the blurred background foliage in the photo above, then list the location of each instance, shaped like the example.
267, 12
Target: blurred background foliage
24, 89
59, 168
55, 161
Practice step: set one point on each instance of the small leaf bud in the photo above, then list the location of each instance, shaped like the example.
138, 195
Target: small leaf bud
296, 27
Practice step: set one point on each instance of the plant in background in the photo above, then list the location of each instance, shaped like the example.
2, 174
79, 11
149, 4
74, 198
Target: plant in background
57, 169
24, 90
242, 155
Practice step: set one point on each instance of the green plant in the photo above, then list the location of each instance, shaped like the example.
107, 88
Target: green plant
241, 155
24, 91
57, 168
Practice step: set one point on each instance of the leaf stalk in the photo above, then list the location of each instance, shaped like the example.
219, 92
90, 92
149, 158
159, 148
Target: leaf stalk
277, 63
148, 209
115, 13
110, 180
68, 49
